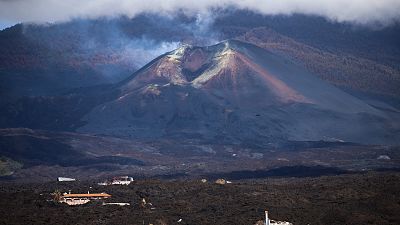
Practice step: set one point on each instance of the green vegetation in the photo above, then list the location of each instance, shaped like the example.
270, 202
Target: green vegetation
8, 166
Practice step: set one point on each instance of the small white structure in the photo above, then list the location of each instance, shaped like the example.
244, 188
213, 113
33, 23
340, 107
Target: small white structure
65, 179
220, 181
273, 222
383, 157
122, 180
117, 203
266, 218
80, 199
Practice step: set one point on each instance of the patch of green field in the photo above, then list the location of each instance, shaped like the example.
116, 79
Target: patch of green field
8, 166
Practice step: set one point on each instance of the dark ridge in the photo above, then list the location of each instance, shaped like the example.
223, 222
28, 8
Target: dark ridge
391, 169
294, 145
286, 171
49, 113
25, 149
171, 176
117, 160
32, 151
103, 167
6, 178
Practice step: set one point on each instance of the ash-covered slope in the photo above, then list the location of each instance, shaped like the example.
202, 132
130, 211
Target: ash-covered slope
343, 70
234, 91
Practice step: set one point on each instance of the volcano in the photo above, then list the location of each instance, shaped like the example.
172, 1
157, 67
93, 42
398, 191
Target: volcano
236, 92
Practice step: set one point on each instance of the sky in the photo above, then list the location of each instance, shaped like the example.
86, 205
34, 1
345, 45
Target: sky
355, 11
5, 24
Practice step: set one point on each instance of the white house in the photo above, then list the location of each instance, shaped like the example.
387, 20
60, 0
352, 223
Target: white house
122, 180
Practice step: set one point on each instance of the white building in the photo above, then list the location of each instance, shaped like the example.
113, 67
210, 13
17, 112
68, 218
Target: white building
123, 180
65, 179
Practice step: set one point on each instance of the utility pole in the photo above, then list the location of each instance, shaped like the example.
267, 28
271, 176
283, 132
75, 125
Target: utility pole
266, 218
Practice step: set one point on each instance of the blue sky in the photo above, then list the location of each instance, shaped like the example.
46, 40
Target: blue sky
5, 24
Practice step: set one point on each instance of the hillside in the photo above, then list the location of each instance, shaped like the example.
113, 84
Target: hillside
239, 91
342, 70
49, 59
37, 155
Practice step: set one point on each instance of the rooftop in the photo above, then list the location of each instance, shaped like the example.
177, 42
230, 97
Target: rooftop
105, 195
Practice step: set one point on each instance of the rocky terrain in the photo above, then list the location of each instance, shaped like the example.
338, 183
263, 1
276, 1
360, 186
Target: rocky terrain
43, 156
300, 113
370, 198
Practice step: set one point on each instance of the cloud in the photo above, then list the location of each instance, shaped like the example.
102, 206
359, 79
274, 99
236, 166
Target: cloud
357, 11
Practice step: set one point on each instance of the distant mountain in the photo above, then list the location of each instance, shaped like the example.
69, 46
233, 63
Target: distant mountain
339, 68
284, 78
376, 43
51, 59
48, 60
237, 92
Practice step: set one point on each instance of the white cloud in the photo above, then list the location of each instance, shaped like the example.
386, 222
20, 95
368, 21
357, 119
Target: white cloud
359, 11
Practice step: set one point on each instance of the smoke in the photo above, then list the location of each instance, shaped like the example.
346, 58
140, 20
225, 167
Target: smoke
110, 49
356, 11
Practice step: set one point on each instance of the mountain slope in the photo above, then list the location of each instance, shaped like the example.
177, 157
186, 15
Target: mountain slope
50, 59
235, 91
344, 70
377, 43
